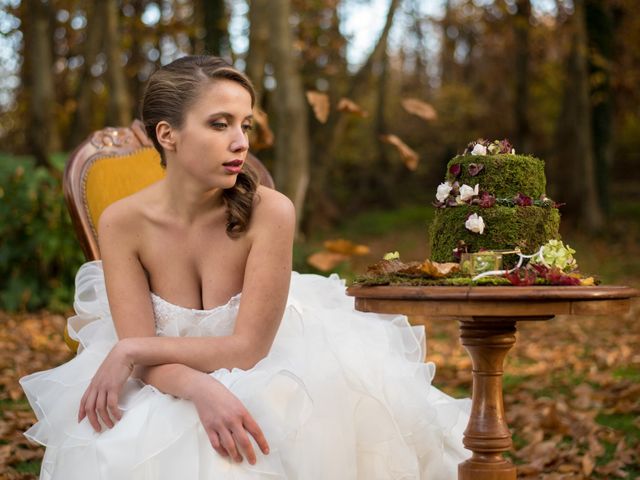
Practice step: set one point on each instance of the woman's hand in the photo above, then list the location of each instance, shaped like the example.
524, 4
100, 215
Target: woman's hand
226, 420
101, 397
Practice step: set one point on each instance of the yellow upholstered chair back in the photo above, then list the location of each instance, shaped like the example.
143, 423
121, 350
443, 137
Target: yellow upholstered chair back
112, 164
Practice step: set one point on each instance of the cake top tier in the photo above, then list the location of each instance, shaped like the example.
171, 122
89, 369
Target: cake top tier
503, 175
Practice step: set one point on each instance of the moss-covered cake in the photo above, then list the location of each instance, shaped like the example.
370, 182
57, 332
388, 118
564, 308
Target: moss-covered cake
492, 199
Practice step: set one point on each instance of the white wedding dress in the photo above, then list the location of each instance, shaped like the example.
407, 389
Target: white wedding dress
342, 395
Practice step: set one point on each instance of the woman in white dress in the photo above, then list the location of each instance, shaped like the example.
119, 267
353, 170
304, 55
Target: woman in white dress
202, 356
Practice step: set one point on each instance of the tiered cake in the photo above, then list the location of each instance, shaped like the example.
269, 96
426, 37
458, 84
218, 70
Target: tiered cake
492, 199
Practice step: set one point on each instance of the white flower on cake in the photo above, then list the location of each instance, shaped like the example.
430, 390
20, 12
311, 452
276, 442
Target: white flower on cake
475, 223
479, 149
467, 193
444, 189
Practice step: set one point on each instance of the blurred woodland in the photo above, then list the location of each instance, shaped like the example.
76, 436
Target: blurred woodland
343, 138
559, 82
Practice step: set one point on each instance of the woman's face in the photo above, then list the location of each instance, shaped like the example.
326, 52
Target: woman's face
213, 142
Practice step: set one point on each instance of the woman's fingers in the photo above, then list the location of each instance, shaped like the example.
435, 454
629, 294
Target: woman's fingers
82, 410
229, 444
256, 432
242, 441
90, 410
112, 405
217, 446
101, 408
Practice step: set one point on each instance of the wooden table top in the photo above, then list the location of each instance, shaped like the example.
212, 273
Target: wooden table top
481, 301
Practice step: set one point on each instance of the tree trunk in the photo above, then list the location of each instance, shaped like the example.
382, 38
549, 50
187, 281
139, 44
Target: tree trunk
41, 132
447, 61
522, 138
381, 177
336, 125
292, 136
258, 45
574, 143
119, 106
81, 125
216, 25
600, 32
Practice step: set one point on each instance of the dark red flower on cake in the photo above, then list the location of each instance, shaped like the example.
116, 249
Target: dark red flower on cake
475, 168
455, 170
460, 249
554, 276
486, 200
505, 146
521, 277
523, 200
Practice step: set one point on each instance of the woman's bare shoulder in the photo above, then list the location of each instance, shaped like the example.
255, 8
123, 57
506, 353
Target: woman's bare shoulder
270, 205
125, 217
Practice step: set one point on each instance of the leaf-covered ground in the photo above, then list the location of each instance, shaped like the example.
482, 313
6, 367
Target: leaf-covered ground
572, 391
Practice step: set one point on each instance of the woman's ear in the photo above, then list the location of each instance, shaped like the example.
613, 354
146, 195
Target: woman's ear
165, 135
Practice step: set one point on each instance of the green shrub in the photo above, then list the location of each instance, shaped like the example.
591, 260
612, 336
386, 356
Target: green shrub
39, 254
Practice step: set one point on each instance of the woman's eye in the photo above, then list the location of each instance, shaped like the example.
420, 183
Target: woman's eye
218, 125
247, 127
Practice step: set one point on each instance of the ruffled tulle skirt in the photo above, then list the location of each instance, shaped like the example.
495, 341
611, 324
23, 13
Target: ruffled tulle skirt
342, 395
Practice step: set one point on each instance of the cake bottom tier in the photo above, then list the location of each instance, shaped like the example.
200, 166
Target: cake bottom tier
505, 228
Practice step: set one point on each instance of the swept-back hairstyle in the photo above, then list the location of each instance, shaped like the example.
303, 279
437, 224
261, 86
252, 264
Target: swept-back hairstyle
170, 92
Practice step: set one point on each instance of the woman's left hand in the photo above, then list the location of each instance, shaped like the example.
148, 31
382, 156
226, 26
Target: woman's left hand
101, 397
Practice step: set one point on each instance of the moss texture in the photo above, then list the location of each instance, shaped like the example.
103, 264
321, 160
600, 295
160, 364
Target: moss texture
503, 175
505, 228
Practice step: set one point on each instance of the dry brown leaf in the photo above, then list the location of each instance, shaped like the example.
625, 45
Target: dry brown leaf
326, 261
386, 267
587, 464
349, 106
262, 136
345, 247
412, 268
420, 109
409, 156
320, 103
361, 250
439, 270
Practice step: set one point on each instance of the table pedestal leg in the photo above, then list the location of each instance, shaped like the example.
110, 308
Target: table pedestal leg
487, 341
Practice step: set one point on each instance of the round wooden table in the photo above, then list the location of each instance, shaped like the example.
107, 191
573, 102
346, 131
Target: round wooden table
488, 318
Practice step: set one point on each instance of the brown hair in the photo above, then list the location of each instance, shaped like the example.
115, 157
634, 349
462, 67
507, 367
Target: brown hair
170, 92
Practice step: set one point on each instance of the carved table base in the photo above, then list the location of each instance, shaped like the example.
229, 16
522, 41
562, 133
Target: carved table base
488, 340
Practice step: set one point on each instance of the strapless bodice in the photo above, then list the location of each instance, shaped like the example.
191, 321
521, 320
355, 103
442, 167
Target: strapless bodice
177, 321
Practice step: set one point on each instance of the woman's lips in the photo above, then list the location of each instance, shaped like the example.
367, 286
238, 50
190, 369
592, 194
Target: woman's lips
234, 166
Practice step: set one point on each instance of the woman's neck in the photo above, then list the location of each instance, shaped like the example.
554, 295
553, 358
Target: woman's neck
187, 200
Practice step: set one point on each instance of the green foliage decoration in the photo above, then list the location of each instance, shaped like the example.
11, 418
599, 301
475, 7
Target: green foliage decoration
504, 176
505, 228
39, 254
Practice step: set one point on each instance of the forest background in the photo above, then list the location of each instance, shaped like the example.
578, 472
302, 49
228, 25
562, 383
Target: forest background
358, 136
342, 136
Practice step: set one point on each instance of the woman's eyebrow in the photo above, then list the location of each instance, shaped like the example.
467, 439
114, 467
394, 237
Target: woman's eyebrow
228, 115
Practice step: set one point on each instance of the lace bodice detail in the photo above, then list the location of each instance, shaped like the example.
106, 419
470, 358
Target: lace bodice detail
176, 321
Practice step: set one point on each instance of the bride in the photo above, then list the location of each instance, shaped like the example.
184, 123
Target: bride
203, 356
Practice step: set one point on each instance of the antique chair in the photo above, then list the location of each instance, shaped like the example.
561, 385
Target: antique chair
112, 164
